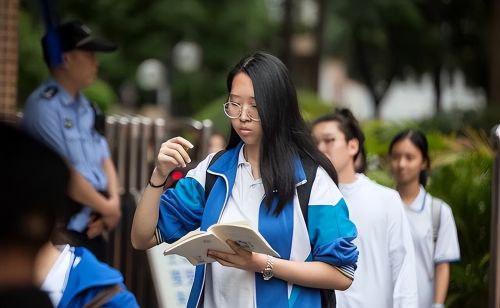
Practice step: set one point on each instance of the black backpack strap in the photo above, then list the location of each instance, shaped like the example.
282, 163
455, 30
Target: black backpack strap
304, 190
210, 178
328, 299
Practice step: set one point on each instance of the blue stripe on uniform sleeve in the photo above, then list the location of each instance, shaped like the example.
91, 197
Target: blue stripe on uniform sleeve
181, 209
331, 234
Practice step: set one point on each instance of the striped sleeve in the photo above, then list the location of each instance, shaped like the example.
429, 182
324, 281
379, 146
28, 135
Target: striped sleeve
158, 237
347, 270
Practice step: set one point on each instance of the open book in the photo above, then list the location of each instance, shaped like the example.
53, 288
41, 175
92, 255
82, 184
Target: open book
195, 245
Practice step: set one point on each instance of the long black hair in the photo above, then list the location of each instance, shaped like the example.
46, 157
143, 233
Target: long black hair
351, 129
285, 134
420, 141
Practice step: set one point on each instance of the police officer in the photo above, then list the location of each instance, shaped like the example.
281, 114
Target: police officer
61, 116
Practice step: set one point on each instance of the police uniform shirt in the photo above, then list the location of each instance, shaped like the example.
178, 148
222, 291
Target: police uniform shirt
66, 124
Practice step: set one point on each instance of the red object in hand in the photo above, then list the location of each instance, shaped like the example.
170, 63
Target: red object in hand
177, 175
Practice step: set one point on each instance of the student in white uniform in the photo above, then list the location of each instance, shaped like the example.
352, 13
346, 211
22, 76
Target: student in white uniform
431, 220
386, 266
73, 277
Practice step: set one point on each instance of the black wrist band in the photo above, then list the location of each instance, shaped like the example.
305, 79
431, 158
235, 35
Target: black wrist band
158, 186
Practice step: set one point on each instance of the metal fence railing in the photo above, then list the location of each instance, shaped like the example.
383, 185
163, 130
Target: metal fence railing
134, 142
494, 291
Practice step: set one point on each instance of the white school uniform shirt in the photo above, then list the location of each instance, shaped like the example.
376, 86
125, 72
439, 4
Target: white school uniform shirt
56, 280
385, 276
447, 249
243, 205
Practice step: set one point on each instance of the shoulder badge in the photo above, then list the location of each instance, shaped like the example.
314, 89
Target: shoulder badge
49, 92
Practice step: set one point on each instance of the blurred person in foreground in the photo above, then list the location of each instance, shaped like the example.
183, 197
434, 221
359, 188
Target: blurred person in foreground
386, 267
34, 182
29, 258
431, 220
58, 114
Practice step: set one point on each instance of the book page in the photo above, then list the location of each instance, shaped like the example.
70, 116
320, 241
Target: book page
195, 248
245, 236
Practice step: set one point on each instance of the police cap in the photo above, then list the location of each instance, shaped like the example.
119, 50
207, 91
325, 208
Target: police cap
76, 35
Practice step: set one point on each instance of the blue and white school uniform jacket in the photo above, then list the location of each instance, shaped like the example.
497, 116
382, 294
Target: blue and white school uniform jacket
88, 277
328, 237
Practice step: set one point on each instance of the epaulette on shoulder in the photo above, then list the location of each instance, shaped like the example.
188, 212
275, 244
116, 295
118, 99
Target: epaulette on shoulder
49, 92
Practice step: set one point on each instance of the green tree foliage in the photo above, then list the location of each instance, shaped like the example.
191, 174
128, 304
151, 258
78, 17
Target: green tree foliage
458, 121
32, 69
102, 94
225, 30
470, 200
376, 39
385, 40
456, 37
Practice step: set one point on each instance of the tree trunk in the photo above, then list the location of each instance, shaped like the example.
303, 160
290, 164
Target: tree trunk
318, 34
436, 80
366, 73
376, 110
494, 95
286, 32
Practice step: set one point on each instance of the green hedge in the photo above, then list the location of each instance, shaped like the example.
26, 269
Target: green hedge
102, 94
466, 186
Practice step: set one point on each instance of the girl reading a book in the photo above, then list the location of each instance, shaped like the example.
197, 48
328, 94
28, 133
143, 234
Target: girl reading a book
257, 179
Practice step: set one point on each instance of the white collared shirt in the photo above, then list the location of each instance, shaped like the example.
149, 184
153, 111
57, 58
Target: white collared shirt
56, 280
385, 276
447, 249
228, 286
